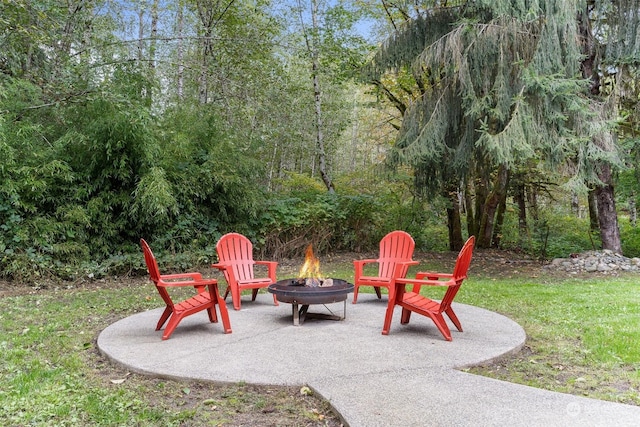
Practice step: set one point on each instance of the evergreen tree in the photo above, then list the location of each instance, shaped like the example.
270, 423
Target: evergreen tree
501, 85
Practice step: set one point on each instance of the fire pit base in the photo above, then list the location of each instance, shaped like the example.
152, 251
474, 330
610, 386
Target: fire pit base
299, 315
300, 297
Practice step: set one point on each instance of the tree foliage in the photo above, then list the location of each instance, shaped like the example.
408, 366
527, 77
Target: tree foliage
156, 119
499, 87
180, 121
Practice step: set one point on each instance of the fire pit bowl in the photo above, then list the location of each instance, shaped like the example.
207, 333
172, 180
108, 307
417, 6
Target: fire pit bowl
294, 292
290, 290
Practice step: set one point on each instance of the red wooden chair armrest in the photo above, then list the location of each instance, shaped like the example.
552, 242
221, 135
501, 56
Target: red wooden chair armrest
360, 263
365, 261
219, 266
409, 263
271, 268
410, 281
187, 276
417, 283
403, 265
196, 283
430, 274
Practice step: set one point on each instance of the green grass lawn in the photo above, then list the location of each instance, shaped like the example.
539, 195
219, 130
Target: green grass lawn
582, 334
582, 338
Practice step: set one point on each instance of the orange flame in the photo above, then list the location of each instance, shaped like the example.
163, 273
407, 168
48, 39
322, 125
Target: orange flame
311, 266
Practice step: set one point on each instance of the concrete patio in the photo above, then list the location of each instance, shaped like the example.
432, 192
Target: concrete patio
411, 377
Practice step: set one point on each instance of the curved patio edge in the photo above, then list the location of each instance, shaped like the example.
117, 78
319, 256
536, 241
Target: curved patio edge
408, 377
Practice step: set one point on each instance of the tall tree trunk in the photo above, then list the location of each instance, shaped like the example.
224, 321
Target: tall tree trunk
575, 204
607, 214
487, 223
482, 193
633, 212
180, 50
521, 202
152, 50
312, 45
153, 42
206, 13
532, 199
593, 210
140, 33
497, 230
454, 224
472, 227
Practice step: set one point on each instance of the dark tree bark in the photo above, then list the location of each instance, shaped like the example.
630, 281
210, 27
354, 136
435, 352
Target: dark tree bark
607, 214
593, 210
472, 228
521, 202
482, 194
491, 206
532, 199
575, 204
454, 224
497, 231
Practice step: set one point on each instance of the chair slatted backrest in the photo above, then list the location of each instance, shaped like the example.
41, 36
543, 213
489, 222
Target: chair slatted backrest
395, 247
459, 272
236, 250
154, 271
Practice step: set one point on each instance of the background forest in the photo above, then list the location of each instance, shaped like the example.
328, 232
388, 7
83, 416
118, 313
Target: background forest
313, 121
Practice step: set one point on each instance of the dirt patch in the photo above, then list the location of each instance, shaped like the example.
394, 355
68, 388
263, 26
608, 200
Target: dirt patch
221, 404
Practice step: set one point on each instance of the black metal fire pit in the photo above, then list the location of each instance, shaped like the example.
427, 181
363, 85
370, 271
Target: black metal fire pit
296, 292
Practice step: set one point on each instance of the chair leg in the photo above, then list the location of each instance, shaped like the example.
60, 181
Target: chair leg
355, 294
275, 300
165, 315
454, 318
211, 311
388, 316
235, 297
438, 319
406, 316
254, 294
224, 314
377, 289
171, 326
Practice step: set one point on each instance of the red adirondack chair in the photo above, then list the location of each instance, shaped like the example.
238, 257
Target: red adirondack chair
203, 300
396, 251
414, 302
235, 260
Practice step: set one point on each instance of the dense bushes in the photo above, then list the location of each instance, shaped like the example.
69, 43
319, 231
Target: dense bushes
555, 233
329, 222
77, 195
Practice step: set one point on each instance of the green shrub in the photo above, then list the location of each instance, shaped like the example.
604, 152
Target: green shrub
329, 222
630, 237
555, 233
